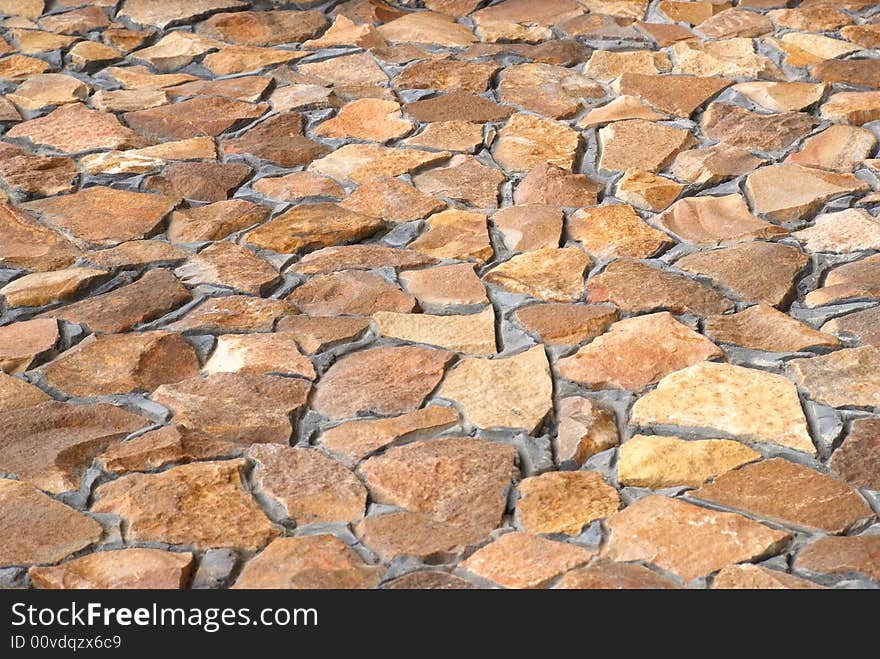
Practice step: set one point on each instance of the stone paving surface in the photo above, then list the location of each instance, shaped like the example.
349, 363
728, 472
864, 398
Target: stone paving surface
439, 294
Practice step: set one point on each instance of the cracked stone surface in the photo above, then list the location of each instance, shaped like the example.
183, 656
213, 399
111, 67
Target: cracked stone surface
440, 294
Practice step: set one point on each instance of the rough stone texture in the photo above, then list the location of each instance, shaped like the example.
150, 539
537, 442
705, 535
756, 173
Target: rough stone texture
716, 220
201, 505
163, 447
641, 144
864, 325
73, 128
842, 556
737, 126
547, 274
846, 378
527, 141
838, 148
847, 231
857, 459
23, 342
748, 404
465, 179
120, 568
685, 539
510, 392
62, 530
470, 334
791, 494
564, 501
259, 353
637, 352
849, 281
16, 394
608, 575
549, 184
756, 577
761, 327
24, 243
445, 286
615, 230
565, 324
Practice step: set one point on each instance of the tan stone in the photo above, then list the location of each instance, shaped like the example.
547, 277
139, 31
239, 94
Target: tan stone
639, 144
250, 408
846, 378
428, 28
863, 325
847, 231
678, 95
730, 58
445, 286
646, 190
464, 179
549, 184
761, 327
39, 91
756, 577
259, 353
685, 539
214, 221
306, 562
196, 117
136, 161
781, 96
606, 65
852, 107
508, 392
367, 119
736, 126
748, 404
417, 534
715, 220
140, 77
360, 257
585, 429
785, 492
838, 148
349, 292
163, 447
713, 164
469, 334
608, 575
553, 274
61, 531
620, 109
565, 324
345, 32
856, 72
363, 162
803, 49
241, 313
689, 12
199, 181
298, 185
819, 18
31, 9
658, 462
102, 365
527, 141
392, 200
52, 445
519, 560
455, 234
842, 556
33, 42
551, 91
39, 288
636, 287
385, 380
229, 265
850, 280
243, 88
25, 172
447, 75
864, 35
529, 227
457, 136
153, 295
564, 501
615, 230
203, 505
264, 28
15, 68
22, 342
355, 440
857, 458
126, 100
313, 225
172, 12
637, 352
805, 190
457, 105
120, 568
315, 333
175, 50
17, 394
73, 128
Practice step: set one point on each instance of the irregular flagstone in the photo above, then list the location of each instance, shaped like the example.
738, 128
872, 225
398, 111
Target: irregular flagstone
470, 334
783, 491
846, 378
199, 181
713, 164
608, 575
23, 342
637, 352
120, 568
620, 109
455, 234
863, 325
392, 200
615, 230
251, 408
16, 394
447, 75
838, 148
311, 226
102, 215
101, 365
850, 230
62, 530
39, 288
163, 447
17, 67
385, 380
646, 190
636, 287
370, 119
349, 292
715, 220
445, 286
565, 324
259, 353
640, 144
761, 327
448, 136
203, 505
345, 32
264, 28
47, 89
359, 69
305, 562
527, 141
310, 486
549, 184
842, 556
781, 96
148, 159
278, 140
685, 539
564, 501
658, 462
140, 77
363, 162
360, 257
852, 107
606, 65
196, 117
729, 57
551, 91
214, 221
736, 126
153, 295
506, 392
464, 179
428, 28
165, 13
315, 333
51, 445
24, 172
753, 272
745, 403
457, 105
298, 185
126, 100
858, 457
553, 274
803, 49
226, 264
858, 279
756, 577
353, 441
245, 88
678, 95
529, 227
232, 313
73, 128
520, 560
175, 50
